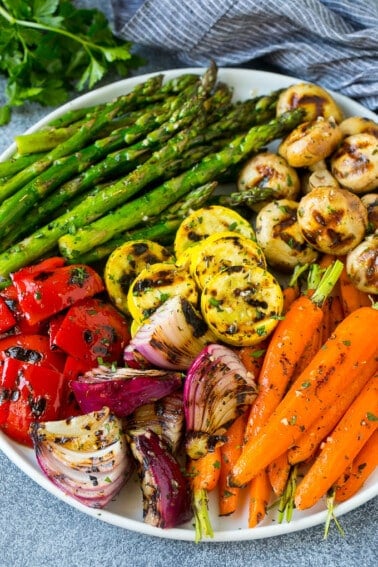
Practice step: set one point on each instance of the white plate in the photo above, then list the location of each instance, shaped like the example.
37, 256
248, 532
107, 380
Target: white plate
126, 510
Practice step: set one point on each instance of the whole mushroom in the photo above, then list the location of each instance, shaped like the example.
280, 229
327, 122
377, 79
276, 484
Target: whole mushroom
315, 100
334, 221
269, 170
355, 163
279, 235
310, 142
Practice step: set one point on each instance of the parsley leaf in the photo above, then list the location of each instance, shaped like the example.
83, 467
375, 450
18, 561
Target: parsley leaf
49, 48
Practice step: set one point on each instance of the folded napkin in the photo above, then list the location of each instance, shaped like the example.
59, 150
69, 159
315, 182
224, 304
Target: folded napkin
330, 42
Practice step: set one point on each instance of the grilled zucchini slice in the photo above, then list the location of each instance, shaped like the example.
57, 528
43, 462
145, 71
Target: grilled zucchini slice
243, 306
125, 263
155, 284
209, 220
220, 252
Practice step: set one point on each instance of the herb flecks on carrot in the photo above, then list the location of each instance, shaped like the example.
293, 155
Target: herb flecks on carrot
308, 443
349, 352
359, 471
341, 447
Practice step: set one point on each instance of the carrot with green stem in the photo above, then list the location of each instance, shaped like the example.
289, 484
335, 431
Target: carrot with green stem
341, 447
204, 476
348, 353
359, 471
287, 344
290, 340
279, 471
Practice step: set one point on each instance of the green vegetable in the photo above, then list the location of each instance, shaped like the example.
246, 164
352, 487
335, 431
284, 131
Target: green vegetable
48, 48
77, 141
155, 201
157, 126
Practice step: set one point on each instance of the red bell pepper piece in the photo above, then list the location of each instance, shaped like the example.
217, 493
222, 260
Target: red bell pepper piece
92, 331
28, 393
7, 319
49, 287
9, 295
33, 349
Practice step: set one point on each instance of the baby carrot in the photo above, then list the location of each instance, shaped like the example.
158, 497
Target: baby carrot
259, 495
341, 447
307, 444
204, 475
362, 467
287, 344
349, 352
229, 453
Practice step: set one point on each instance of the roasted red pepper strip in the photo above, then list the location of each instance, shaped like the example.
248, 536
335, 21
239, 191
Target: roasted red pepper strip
92, 331
45, 289
28, 393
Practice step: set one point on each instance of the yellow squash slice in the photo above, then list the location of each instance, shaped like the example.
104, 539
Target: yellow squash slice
206, 221
125, 263
220, 252
155, 284
242, 306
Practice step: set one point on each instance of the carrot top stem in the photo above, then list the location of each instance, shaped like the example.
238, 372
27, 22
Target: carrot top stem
286, 502
314, 276
201, 515
298, 271
327, 283
330, 499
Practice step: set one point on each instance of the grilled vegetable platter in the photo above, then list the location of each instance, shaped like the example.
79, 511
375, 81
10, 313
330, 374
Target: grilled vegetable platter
189, 281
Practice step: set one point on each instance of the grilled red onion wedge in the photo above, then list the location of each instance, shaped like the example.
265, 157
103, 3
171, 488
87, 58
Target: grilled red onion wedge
166, 491
87, 456
173, 336
165, 417
123, 389
218, 388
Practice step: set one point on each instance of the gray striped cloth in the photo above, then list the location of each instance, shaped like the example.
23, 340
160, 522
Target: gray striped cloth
330, 42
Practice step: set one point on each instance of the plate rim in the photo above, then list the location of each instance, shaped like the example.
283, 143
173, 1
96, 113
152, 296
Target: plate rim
16, 452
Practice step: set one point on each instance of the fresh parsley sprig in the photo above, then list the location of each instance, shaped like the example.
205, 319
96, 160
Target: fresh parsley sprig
49, 48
